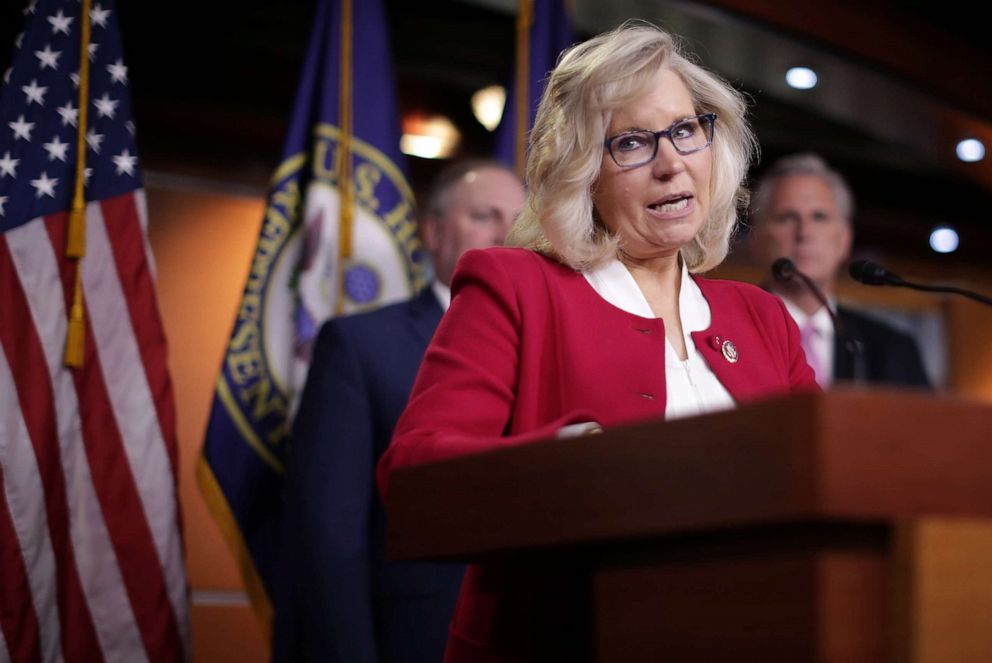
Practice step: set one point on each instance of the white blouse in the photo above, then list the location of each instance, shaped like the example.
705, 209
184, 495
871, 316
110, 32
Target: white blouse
443, 294
691, 386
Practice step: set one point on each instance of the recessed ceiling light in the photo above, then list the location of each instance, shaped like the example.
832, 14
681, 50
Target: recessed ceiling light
971, 149
434, 137
488, 104
801, 78
944, 239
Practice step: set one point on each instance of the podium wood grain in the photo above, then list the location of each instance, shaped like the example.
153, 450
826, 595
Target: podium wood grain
805, 528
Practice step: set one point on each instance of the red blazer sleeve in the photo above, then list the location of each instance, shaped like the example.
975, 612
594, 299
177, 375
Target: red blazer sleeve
801, 376
463, 399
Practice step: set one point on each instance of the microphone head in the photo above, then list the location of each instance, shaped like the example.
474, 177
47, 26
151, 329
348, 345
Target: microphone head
869, 273
783, 270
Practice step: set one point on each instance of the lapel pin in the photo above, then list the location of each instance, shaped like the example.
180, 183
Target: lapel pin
730, 351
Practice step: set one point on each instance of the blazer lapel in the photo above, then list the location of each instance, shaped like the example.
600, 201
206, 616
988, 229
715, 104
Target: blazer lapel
731, 348
843, 357
729, 361
735, 350
424, 315
843, 360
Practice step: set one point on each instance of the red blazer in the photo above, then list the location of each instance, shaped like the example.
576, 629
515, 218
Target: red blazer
527, 347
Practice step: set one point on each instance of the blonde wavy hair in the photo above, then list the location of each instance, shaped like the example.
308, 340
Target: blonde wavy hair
591, 80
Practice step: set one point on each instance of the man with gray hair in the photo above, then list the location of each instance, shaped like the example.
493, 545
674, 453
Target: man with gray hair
803, 210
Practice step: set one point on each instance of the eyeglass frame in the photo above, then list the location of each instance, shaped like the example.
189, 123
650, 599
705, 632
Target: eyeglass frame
667, 133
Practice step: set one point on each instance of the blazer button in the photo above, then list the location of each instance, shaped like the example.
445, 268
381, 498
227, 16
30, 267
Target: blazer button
716, 342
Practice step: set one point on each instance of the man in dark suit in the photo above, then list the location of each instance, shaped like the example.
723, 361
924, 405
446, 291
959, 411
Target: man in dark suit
342, 601
802, 210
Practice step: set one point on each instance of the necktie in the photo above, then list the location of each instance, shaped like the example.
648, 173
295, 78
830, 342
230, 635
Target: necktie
807, 333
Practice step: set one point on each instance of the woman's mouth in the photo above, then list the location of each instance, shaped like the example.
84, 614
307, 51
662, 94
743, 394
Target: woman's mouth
671, 204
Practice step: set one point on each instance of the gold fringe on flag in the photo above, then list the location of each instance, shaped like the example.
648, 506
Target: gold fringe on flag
344, 155
525, 18
76, 237
76, 334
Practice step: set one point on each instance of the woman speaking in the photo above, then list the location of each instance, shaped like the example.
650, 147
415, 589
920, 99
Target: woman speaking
597, 317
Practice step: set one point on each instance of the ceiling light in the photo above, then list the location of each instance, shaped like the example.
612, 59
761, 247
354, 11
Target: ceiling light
488, 104
801, 78
971, 149
434, 137
944, 239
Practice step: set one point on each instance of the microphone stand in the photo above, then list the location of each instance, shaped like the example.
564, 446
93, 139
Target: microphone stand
949, 289
784, 270
871, 273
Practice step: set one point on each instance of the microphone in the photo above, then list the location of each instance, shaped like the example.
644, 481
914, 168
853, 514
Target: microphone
871, 273
784, 271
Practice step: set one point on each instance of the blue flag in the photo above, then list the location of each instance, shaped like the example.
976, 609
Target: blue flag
339, 236
549, 33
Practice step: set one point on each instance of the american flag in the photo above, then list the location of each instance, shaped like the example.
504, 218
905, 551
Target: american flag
91, 555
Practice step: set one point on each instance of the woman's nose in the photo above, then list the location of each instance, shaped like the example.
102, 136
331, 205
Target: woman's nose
667, 161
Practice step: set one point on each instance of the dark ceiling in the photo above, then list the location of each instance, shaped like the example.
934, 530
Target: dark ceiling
213, 83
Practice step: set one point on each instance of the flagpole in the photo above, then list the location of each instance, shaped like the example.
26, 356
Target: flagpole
344, 156
76, 237
525, 18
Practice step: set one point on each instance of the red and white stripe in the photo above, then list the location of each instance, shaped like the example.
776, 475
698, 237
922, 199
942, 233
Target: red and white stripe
22, 492
94, 570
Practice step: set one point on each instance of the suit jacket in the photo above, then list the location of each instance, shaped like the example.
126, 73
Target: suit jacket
527, 347
887, 356
341, 600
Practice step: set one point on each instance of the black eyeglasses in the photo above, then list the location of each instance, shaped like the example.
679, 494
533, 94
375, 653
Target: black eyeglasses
636, 148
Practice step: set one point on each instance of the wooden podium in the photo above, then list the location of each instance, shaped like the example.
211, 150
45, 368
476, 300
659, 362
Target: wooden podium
849, 526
